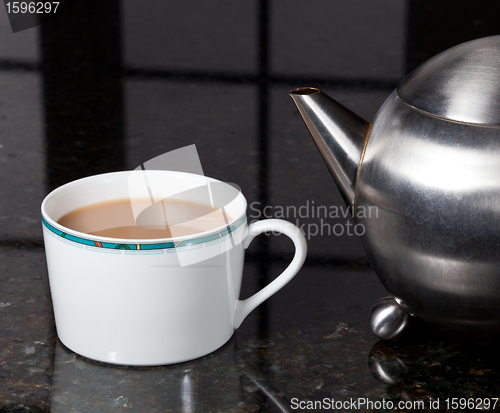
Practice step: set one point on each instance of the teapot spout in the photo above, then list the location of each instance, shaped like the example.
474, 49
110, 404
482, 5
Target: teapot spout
339, 134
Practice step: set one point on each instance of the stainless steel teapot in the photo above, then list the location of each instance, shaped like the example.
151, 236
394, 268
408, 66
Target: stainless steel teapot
430, 165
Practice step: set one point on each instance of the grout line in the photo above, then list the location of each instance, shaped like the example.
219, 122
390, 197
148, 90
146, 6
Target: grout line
253, 257
375, 84
7, 65
155, 74
262, 83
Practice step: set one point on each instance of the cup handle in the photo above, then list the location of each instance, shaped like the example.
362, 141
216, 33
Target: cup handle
245, 307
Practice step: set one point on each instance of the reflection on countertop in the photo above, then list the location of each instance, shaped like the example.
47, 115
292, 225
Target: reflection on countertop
80, 384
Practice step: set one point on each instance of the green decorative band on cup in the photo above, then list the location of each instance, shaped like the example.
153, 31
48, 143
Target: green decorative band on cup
157, 246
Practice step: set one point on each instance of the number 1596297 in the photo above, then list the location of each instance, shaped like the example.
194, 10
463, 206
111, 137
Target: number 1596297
32, 7
487, 403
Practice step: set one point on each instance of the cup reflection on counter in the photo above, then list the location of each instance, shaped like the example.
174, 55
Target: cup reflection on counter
221, 381
82, 385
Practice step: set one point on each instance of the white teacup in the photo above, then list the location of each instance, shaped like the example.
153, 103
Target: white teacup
132, 302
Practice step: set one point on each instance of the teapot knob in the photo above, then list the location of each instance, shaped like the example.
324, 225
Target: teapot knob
388, 319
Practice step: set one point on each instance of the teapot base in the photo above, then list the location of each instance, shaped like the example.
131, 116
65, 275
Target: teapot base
388, 320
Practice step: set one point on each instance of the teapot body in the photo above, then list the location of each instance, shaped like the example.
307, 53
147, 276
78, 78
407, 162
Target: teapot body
424, 180
428, 196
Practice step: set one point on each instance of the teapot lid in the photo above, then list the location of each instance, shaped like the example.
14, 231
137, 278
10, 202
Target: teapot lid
461, 83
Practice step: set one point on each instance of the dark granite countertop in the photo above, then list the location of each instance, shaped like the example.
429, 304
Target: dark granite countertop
116, 83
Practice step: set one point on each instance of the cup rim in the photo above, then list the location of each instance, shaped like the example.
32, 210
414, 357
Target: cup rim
228, 228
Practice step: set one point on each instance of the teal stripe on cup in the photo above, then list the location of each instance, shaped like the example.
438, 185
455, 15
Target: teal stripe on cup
137, 247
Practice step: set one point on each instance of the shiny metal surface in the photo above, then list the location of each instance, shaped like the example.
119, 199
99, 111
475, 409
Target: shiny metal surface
432, 187
385, 366
462, 83
435, 240
338, 133
388, 320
